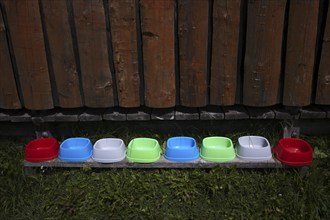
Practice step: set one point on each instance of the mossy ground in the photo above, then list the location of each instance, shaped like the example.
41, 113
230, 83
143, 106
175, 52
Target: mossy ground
219, 193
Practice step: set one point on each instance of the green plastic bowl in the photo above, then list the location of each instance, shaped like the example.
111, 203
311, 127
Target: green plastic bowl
143, 150
217, 149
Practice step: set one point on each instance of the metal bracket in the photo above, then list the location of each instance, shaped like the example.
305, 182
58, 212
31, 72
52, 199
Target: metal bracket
41, 129
43, 134
291, 132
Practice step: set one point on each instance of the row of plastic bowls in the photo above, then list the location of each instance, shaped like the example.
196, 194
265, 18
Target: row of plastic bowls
289, 151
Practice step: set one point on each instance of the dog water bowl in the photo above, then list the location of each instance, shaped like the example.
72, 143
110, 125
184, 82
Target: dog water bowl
75, 149
181, 149
253, 148
293, 152
217, 149
143, 150
109, 150
42, 149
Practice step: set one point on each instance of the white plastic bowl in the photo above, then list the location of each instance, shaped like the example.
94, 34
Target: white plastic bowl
109, 150
253, 148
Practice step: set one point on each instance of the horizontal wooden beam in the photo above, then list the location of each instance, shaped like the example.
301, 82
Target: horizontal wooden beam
161, 163
236, 112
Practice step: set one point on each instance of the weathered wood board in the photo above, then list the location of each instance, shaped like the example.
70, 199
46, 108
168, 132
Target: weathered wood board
8, 92
124, 43
193, 52
158, 40
211, 113
225, 40
300, 52
62, 53
29, 49
323, 82
162, 163
262, 64
97, 82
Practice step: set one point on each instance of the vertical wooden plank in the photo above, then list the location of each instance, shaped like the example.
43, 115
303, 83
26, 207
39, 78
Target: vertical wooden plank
157, 24
225, 39
262, 62
193, 43
29, 49
323, 82
93, 52
8, 91
124, 43
62, 55
301, 42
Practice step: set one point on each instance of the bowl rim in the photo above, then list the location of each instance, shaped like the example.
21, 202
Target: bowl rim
105, 139
42, 150
253, 136
131, 143
181, 137
275, 151
217, 137
53, 143
291, 163
88, 142
219, 150
285, 148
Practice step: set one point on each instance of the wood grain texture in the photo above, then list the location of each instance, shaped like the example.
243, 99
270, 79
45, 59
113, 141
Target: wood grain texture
161, 114
193, 43
62, 54
138, 114
161, 163
8, 92
186, 113
301, 42
96, 76
211, 113
235, 112
124, 42
29, 48
262, 63
312, 112
225, 39
157, 24
323, 82
115, 114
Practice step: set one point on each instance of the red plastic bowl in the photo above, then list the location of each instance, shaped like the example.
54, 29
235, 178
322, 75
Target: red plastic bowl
293, 152
42, 149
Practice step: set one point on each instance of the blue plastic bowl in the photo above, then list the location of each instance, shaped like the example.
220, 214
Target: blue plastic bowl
75, 149
181, 149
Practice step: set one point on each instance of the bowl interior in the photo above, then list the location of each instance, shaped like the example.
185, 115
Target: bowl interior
143, 143
295, 145
217, 143
108, 143
42, 143
181, 143
254, 142
74, 143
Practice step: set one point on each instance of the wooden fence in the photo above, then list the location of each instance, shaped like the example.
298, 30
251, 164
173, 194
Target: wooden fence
163, 53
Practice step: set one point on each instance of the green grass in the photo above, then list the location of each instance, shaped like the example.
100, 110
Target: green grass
219, 193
